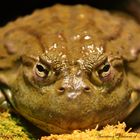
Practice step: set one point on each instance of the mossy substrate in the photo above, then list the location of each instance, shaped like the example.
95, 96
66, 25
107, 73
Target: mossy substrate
12, 128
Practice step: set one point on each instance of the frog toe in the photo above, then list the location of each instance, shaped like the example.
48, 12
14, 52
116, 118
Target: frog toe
4, 105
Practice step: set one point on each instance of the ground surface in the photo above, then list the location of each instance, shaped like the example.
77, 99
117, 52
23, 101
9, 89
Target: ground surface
12, 128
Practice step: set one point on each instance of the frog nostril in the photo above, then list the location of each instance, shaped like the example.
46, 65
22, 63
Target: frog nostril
87, 89
61, 89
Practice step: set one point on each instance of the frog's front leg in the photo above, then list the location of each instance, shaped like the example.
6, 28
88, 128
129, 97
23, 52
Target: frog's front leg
4, 105
133, 119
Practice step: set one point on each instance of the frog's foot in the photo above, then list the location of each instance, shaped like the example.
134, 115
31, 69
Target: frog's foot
4, 105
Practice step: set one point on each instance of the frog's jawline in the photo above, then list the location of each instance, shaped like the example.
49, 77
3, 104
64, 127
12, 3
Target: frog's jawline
123, 113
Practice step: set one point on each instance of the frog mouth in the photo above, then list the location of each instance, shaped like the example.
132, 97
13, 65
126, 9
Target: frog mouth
62, 125
54, 127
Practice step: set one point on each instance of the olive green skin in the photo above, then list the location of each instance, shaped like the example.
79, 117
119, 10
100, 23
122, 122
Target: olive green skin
71, 67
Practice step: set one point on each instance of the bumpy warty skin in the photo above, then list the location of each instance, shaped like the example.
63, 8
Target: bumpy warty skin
71, 67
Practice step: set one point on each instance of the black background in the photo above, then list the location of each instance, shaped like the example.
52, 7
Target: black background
11, 9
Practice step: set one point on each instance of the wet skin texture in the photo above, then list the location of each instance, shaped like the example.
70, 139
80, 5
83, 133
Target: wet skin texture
71, 67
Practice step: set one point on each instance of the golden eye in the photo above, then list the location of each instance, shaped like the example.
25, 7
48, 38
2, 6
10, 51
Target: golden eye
41, 70
104, 70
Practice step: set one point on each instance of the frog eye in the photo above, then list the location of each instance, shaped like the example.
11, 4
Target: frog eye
104, 71
41, 70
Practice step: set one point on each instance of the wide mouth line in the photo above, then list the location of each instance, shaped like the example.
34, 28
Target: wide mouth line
122, 114
90, 126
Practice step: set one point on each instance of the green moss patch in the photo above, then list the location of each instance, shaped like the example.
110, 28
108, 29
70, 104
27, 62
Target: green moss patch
12, 129
110, 132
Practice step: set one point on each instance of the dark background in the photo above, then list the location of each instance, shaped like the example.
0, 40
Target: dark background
11, 9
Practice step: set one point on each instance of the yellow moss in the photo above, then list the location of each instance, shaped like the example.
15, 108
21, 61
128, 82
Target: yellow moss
109, 132
9, 130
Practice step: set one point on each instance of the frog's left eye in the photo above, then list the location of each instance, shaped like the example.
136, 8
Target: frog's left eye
41, 70
104, 70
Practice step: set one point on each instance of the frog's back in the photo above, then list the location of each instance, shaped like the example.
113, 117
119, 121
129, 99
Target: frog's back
77, 57
72, 28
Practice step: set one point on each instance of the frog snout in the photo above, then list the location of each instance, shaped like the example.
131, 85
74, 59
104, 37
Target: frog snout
73, 87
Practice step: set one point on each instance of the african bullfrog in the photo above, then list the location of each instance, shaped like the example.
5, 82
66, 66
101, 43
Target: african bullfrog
71, 67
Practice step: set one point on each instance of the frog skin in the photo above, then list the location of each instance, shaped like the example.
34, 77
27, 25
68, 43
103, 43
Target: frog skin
71, 67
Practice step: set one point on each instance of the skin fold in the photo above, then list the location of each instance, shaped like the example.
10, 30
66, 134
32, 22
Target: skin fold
71, 67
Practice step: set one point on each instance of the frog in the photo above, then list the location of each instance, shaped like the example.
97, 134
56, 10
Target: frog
68, 68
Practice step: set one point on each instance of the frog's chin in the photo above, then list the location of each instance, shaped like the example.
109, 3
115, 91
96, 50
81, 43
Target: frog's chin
54, 128
89, 123
66, 123
63, 125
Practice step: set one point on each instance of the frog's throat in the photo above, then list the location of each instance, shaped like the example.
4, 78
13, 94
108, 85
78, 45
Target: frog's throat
133, 102
53, 128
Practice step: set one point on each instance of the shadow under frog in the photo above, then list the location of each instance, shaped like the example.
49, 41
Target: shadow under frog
71, 67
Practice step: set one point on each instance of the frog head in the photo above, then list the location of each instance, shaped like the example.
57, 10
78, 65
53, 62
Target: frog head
66, 75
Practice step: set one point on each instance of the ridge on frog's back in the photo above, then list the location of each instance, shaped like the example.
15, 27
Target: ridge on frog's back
71, 67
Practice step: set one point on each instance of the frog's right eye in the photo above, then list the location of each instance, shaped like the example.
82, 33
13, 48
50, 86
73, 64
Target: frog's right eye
41, 70
104, 71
